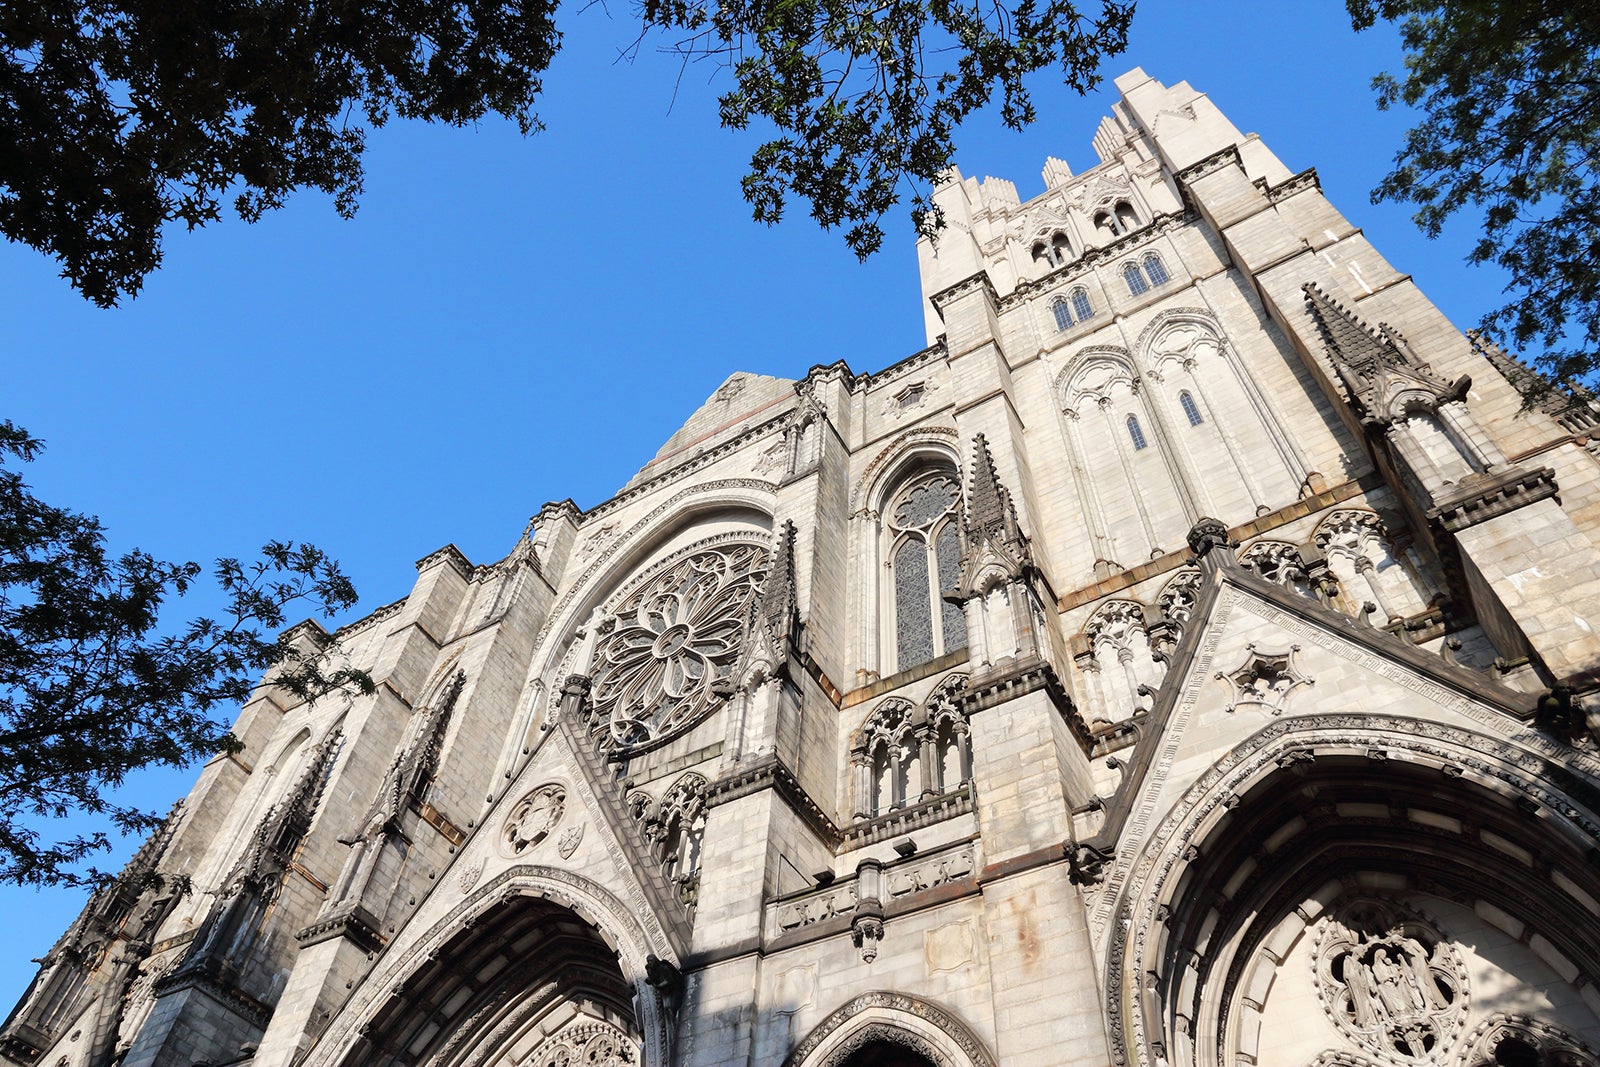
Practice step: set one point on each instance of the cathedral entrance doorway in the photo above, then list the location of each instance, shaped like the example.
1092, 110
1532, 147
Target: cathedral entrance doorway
529, 984
886, 1054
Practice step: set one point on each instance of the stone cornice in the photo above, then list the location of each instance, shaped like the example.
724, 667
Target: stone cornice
905, 366
448, 554
770, 773
372, 618
1292, 185
907, 820
1479, 502
350, 925
1227, 157
971, 283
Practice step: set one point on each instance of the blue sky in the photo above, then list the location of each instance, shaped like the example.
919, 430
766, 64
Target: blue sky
509, 321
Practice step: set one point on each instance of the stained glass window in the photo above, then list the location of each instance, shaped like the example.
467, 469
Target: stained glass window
1136, 432
1062, 313
926, 559
1154, 268
1135, 279
947, 550
1190, 409
913, 609
1080, 304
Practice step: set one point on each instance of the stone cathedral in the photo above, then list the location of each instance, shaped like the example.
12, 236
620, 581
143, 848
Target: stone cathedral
1185, 660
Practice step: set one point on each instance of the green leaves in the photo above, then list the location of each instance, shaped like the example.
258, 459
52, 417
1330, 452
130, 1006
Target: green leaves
1512, 103
866, 95
118, 117
91, 689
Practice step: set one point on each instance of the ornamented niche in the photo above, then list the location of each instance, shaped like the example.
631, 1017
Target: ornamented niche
668, 655
1391, 981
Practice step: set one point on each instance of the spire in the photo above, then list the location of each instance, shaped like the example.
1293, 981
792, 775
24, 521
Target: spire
989, 507
779, 607
1352, 343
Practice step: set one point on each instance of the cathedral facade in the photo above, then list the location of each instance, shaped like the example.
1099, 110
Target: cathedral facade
1181, 661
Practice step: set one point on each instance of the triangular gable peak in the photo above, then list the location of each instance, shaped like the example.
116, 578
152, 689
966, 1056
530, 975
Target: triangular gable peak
1293, 657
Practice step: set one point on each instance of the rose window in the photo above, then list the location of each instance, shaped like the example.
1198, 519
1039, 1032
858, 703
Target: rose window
673, 640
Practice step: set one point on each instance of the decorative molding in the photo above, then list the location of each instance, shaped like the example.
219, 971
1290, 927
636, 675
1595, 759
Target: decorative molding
891, 1003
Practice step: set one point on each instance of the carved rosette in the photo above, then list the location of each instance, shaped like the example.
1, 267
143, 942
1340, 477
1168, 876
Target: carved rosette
533, 819
1391, 981
668, 661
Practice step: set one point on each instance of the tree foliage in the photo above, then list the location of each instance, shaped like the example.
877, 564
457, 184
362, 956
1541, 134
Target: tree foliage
92, 687
1510, 93
119, 116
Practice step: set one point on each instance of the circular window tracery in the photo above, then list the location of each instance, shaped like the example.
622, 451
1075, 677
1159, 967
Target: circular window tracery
1391, 980
675, 638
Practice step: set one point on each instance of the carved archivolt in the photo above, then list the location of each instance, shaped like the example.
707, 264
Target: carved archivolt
895, 1018
903, 445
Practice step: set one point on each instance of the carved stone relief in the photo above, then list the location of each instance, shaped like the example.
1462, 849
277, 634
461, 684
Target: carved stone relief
533, 819
1390, 980
1264, 680
586, 1044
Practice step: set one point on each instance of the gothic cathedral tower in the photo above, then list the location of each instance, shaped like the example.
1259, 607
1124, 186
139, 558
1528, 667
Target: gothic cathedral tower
1183, 661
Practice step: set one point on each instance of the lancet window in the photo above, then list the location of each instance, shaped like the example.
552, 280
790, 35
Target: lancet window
1154, 269
1052, 253
1135, 279
923, 527
1363, 557
893, 758
675, 829
1080, 304
1136, 433
1062, 313
1191, 410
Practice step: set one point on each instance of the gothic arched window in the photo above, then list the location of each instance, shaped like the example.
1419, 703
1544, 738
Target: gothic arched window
925, 558
1136, 433
678, 829
1191, 410
1135, 279
1080, 304
1062, 313
1155, 269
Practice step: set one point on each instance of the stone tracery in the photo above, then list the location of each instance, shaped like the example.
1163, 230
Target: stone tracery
666, 663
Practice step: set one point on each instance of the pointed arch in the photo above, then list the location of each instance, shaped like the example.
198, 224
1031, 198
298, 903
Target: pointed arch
612, 941
897, 1019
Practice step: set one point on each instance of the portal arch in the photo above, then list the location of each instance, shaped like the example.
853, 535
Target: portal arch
1392, 872
463, 995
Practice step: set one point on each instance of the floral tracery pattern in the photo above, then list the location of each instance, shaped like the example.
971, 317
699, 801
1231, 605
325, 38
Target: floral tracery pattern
675, 638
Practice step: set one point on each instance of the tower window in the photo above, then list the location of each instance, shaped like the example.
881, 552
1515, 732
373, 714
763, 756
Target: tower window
1081, 305
1062, 313
1190, 409
1155, 269
1136, 433
1127, 220
1135, 279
